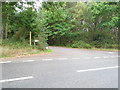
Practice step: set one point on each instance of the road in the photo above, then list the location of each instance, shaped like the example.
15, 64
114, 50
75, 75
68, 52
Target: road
63, 68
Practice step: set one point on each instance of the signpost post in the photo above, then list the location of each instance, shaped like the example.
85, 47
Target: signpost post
30, 39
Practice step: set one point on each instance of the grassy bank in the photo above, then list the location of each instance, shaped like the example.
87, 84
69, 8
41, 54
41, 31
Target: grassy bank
89, 47
14, 49
99, 49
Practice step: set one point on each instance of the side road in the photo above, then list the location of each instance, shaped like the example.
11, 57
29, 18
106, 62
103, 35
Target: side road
63, 68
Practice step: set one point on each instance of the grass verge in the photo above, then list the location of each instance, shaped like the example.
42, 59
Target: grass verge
17, 49
93, 48
16, 52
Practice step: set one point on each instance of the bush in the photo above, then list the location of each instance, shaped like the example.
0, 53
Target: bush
115, 46
97, 44
81, 44
101, 38
11, 48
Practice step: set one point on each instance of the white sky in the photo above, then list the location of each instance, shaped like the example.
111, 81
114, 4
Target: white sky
37, 4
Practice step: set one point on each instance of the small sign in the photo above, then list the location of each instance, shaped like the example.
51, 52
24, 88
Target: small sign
36, 40
47, 47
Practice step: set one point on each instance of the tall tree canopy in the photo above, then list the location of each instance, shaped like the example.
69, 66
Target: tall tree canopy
76, 24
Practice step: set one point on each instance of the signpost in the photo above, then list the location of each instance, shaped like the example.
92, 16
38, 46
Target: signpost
30, 39
35, 42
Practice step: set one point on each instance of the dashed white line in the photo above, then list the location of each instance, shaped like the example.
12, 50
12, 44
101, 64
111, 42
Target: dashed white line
16, 79
112, 56
28, 60
96, 69
87, 58
47, 59
96, 57
117, 56
62, 58
110, 52
76, 58
5, 62
105, 57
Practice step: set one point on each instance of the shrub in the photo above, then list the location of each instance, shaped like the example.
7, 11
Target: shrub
81, 44
115, 46
97, 44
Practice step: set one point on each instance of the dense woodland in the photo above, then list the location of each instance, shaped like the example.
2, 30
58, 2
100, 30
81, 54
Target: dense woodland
71, 24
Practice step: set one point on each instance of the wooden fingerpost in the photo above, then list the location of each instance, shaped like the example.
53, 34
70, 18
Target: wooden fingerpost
30, 39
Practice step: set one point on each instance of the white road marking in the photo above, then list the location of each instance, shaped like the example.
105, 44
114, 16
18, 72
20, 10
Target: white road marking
96, 57
47, 59
75, 58
117, 56
87, 58
96, 69
105, 57
16, 79
28, 60
62, 58
5, 62
110, 52
113, 56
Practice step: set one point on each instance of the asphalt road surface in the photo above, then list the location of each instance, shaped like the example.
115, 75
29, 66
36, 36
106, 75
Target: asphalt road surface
63, 68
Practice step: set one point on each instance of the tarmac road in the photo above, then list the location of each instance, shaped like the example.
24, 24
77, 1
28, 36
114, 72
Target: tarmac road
63, 68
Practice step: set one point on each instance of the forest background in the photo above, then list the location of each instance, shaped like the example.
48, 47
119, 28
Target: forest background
90, 25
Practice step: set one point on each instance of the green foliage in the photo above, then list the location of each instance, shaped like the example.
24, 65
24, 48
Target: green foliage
81, 25
115, 46
18, 24
75, 24
16, 44
39, 31
26, 21
81, 44
105, 15
11, 49
57, 20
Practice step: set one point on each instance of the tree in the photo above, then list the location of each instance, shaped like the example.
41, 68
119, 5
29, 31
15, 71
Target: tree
8, 10
58, 22
105, 17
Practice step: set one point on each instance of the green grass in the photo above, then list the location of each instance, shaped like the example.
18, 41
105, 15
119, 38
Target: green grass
15, 49
105, 49
15, 52
101, 49
93, 48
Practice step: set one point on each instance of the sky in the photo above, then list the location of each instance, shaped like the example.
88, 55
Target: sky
37, 4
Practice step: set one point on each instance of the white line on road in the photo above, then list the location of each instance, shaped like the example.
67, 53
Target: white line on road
96, 69
110, 52
5, 62
76, 58
87, 58
96, 57
16, 79
114, 56
28, 60
105, 57
47, 59
62, 58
